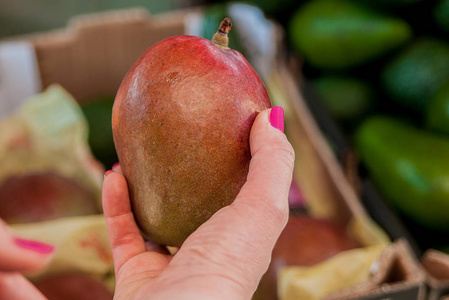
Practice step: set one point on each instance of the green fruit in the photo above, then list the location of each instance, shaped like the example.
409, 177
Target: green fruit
347, 99
410, 168
437, 114
272, 7
342, 34
415, 75
390, 3
441, 14
98, 114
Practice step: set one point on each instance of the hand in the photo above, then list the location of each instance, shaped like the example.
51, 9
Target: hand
226, 256
19, 255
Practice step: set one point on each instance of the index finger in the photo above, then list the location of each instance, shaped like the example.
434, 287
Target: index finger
124, 235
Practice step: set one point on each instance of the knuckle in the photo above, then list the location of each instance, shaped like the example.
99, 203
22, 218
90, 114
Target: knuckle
123, 239
275, 212
288, 154
278, 212
283, 152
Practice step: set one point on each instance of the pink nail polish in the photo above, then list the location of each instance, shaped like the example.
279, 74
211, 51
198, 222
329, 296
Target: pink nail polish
107, 173
34, 246
277, 117
115, 166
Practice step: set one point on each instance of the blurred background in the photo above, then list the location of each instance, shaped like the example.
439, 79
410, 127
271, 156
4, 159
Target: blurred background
20, 17
373, 76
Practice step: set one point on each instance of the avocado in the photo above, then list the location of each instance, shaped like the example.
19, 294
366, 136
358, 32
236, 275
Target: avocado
437, 113
441, 14
410, 167
272, 7
336, 34
413, 77
347, 99
98, 113
391, 3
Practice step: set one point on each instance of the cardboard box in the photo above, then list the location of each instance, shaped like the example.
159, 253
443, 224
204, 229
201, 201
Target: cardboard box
91, 56
436, 266
398, 274
398, 277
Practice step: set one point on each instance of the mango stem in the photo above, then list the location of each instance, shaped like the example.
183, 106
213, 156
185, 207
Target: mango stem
220, 38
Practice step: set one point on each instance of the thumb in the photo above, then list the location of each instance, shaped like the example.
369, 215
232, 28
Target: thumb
238, 240
270, 172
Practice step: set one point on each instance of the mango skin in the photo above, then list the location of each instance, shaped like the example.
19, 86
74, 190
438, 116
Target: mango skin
36, 197
181, 123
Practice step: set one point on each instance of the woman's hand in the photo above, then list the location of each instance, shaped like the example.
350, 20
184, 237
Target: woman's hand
226, 256
19, 255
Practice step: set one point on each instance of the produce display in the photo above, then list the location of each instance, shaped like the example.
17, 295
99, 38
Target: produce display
381, 70
43, 196
48, 171
416, 74
50, 190
437, 117
347, 99
72, 287
414, 177
305, 241
337, 34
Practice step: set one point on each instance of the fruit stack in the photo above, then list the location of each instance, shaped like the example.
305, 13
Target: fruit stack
50, 190
381, 70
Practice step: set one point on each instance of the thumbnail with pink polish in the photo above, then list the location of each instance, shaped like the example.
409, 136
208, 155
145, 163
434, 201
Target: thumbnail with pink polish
277, 117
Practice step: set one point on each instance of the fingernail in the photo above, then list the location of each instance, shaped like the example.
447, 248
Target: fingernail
107, 173
115, 166
34, 246
277, 117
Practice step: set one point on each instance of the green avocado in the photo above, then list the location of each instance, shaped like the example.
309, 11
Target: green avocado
437, 113
347, 99
391, 3
98, 113
413, 77
410, 167
272, 7
441, 13
336, 34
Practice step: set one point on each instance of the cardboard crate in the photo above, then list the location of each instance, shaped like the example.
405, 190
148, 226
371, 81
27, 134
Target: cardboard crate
91, 56
436, 265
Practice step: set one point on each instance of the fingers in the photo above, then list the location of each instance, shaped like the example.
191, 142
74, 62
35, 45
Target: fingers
117, 168
14, 286
22, 255
239, 238
124, 235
